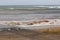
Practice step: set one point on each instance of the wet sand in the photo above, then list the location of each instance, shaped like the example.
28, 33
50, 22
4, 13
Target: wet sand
27, 35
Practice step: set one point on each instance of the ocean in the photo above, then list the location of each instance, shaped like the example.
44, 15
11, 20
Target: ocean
28, 12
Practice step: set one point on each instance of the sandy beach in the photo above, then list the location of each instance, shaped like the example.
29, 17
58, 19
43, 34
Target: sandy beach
28, 35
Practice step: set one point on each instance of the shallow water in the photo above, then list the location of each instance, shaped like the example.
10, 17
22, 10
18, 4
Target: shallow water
24, 15
20, 15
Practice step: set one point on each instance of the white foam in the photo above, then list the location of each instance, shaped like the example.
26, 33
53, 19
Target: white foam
51, 22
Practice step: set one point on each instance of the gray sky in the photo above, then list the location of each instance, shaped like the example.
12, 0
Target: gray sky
29, 2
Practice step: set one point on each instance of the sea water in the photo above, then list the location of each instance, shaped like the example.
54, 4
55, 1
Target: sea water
28, 12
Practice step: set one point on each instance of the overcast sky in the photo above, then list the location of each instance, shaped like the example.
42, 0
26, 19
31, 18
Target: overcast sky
29, 2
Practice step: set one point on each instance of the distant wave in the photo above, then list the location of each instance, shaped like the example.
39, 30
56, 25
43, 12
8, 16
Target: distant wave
22, 8
30, 8
11, 8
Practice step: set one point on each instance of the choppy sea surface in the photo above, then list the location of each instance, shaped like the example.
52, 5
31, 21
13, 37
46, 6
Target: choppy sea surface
24, 13
27, 13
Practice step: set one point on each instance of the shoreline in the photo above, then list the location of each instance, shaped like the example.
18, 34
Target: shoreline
46, 23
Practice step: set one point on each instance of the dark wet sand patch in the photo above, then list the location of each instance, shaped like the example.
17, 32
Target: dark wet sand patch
27, 35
